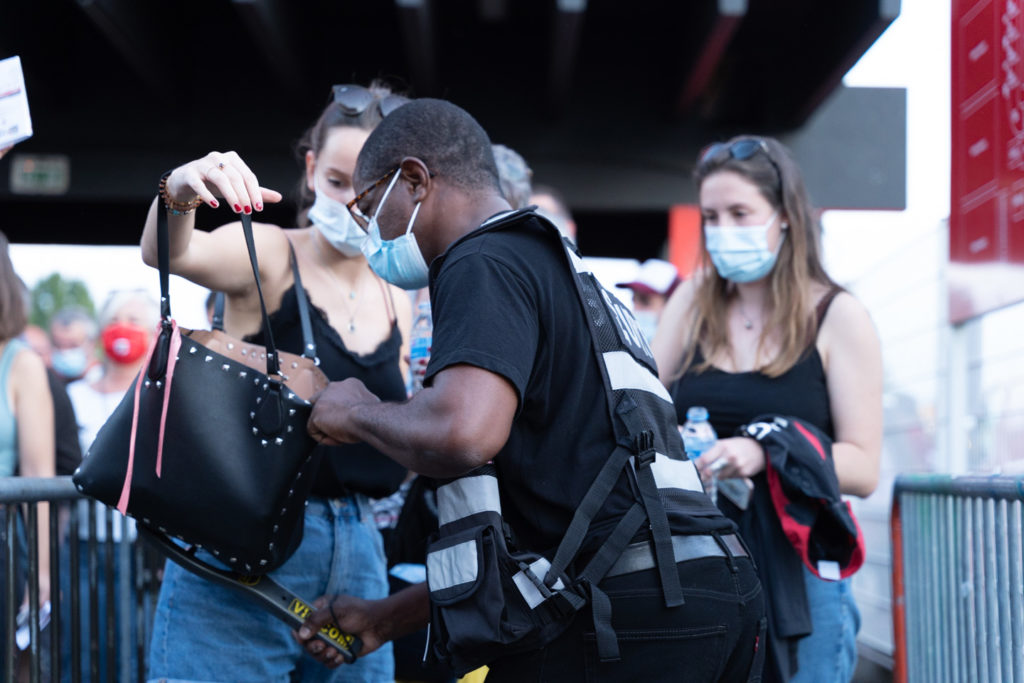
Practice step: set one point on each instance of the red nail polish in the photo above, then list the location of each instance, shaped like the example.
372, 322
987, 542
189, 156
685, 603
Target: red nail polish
238, 208
213, 203
259, 207
248, 209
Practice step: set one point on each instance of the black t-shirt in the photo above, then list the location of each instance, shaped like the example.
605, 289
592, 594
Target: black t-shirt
505, 301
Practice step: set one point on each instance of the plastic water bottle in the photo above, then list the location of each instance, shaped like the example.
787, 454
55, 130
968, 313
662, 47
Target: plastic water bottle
698, 437
419, 346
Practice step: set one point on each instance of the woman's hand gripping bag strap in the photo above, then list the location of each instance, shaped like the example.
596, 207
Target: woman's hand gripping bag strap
488, 600
210, 445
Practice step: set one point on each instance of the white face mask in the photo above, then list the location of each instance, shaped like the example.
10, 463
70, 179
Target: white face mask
398, 261
741, 253
336, 224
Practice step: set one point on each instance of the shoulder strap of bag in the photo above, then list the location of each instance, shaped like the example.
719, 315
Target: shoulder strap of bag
308, 343
217, 322
163, 262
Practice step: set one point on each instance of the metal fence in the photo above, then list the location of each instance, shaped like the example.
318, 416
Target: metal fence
103, 587
958, 579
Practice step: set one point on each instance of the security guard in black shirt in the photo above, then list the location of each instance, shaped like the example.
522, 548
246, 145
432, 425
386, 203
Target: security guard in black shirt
555, 443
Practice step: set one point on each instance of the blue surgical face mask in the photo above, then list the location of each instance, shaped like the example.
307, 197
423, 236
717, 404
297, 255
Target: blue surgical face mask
647, 321
70, 363
741, 254
336, 224
398, 261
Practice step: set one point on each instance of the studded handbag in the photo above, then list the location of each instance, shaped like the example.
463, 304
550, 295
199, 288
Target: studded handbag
209, 445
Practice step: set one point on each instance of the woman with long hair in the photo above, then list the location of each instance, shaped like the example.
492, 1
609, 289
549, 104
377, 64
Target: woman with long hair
26, 424
360, 325
762, 329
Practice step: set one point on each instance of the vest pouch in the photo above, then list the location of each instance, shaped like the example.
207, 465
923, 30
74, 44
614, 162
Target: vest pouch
484, 604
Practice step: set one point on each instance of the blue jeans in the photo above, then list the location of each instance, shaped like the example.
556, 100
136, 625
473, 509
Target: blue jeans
206, 632
829, 654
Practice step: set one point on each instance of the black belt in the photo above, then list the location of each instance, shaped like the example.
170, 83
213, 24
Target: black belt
639, 556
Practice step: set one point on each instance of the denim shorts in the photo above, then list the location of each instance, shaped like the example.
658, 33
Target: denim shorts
206, 632
829, 654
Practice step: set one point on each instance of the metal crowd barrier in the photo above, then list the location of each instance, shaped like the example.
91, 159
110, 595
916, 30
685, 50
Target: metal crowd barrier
958, 579
58, 650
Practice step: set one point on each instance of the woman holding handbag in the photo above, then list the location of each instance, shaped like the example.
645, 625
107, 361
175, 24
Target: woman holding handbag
360, 325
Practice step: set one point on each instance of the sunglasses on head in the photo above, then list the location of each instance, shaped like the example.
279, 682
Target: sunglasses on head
356, 99
741, 150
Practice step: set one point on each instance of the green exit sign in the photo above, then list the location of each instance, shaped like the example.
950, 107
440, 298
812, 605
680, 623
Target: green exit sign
48, 174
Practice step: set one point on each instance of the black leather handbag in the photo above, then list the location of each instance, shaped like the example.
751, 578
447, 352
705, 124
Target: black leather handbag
210, 445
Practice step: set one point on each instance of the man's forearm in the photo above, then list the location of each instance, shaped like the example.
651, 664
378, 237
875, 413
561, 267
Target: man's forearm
414, 435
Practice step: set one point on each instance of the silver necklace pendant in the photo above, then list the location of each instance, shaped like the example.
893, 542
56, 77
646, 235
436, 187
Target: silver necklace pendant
352, 295
351, 326
748, 324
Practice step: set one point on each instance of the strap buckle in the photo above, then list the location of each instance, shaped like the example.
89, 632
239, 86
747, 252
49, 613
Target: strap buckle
643, 446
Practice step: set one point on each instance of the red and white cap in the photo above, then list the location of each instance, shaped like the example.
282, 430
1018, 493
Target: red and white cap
654, 277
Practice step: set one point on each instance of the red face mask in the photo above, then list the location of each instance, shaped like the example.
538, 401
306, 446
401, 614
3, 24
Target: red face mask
124, 343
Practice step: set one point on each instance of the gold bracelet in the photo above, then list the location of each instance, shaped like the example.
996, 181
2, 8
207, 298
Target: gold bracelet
176, 208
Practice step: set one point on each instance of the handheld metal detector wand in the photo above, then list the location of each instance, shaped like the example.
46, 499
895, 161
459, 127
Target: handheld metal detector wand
269, 594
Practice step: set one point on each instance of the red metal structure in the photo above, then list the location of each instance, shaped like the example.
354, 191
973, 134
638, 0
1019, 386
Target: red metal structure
986, 220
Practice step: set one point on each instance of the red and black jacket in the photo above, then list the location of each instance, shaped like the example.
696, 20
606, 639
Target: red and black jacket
804, 491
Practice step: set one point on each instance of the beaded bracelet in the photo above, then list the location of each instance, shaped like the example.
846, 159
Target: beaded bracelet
176, 208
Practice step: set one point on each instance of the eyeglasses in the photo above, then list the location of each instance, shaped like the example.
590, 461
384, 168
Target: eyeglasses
355, 99
361, 218
741, 150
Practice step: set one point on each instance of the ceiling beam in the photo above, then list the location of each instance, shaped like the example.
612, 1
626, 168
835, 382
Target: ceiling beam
132, 37
711, 44
493, 11
565, 44
414, 18
268, 27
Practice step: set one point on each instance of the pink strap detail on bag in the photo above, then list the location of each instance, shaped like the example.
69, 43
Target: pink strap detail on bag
175, 346
172, 358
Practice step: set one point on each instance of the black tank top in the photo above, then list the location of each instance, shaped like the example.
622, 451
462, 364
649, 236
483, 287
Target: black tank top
352, 468
735, 398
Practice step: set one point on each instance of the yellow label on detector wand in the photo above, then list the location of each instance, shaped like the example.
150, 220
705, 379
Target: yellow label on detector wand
332, 632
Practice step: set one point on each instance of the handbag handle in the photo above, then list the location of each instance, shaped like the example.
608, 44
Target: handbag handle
308, 342
159, 362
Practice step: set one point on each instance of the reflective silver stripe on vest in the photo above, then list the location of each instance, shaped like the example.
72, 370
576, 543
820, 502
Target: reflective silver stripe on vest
528, 588
453, 566
674, 474
625, 373
467, 496
577, 262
